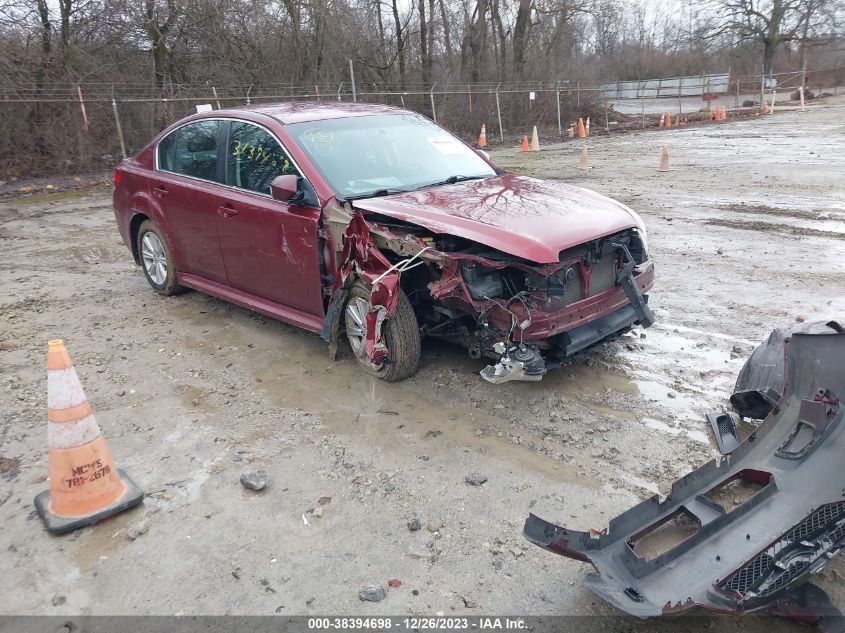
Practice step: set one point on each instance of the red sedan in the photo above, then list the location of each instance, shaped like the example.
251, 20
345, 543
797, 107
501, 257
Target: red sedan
375, 223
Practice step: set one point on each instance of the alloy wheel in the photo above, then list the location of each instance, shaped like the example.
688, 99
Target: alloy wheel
356, 328
154, 257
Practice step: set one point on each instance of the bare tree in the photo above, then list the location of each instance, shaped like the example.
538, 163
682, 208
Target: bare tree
159, 20
474, 42
46, 44
520, 37
774, 22
447, 36
500, 35
425, 53
66, 9
401, 38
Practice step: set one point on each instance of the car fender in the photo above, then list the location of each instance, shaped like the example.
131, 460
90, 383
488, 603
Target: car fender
143, 204
361, 259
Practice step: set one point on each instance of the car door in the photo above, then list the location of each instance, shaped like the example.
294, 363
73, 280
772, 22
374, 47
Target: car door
270, 247
185, 181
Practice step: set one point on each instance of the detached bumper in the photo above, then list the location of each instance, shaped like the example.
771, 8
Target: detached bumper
739, 555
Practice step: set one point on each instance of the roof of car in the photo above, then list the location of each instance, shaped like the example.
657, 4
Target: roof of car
301, 111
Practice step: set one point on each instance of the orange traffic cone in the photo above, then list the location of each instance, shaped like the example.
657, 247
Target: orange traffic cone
664, 159
668, 120
582, 162
525, 147
765, 109
535, 140
582, 133
570, 133
662, 121
482, 138
85, 485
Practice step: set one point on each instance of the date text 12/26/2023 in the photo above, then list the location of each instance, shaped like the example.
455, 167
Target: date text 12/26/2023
416, 623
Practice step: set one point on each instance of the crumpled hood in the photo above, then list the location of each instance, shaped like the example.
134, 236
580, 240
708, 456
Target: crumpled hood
525, 217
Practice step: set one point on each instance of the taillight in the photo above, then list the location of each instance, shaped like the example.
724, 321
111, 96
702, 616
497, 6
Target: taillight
117, 176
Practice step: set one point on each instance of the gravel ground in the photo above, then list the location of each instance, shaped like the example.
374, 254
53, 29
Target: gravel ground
747, 231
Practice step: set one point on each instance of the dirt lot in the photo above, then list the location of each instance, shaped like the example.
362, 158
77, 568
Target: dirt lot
747, 231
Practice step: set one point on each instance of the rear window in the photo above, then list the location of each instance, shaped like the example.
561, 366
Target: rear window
191, 150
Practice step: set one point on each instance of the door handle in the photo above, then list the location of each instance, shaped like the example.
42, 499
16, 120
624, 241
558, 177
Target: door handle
227, 211
159, 191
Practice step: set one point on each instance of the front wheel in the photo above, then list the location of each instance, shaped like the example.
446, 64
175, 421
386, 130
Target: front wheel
401, 335
156, 260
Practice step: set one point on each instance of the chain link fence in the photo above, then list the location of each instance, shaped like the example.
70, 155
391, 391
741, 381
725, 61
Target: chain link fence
70, 128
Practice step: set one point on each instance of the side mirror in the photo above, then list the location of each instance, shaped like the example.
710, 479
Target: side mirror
284, 187
483, 154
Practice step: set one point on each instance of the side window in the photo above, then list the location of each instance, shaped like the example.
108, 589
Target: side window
255, 158
191, 150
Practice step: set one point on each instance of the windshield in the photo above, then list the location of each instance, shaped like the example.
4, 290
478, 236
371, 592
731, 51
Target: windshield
376, 155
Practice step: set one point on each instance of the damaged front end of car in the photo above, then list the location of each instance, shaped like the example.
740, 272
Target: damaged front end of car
581, 287
748, 528
527, 317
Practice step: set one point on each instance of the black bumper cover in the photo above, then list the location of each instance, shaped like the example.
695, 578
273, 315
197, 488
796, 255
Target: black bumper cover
746, 558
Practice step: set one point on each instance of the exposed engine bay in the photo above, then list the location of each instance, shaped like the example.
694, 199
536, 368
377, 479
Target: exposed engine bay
527, 317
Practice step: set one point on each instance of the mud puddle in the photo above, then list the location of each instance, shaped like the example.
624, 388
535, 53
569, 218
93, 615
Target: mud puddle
797, 214
782, 229
352, 403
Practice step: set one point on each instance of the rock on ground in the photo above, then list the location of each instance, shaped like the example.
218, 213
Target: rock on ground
254, 479
373, 593
475, 479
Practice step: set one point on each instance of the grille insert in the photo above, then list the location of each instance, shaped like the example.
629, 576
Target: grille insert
747, 577
816, 522
761, 574
792, 572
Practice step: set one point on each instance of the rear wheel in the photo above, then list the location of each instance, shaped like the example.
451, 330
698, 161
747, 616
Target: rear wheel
401, 335
156, 261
